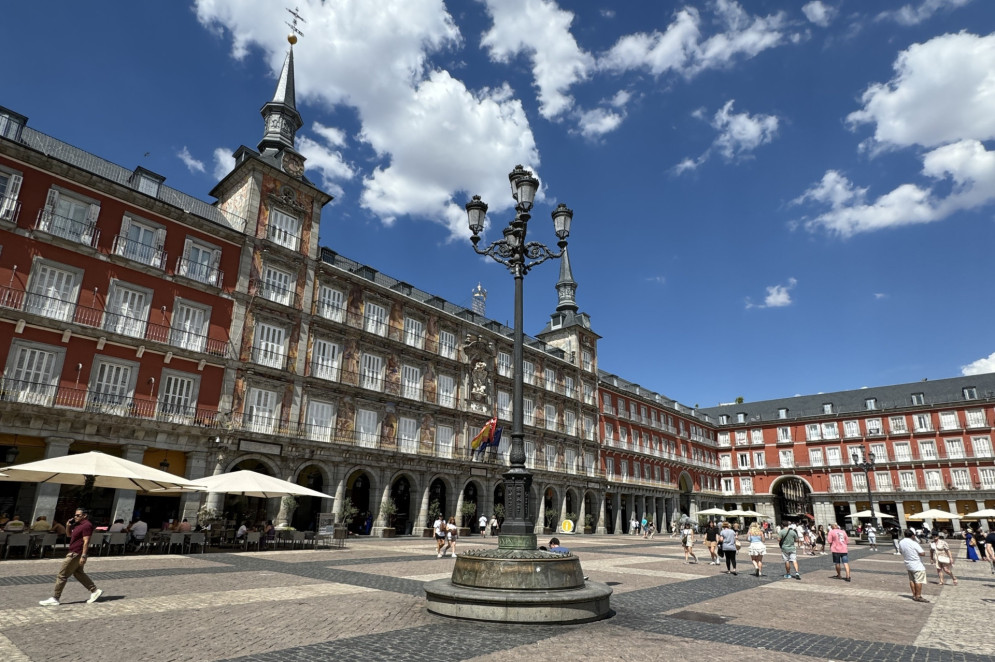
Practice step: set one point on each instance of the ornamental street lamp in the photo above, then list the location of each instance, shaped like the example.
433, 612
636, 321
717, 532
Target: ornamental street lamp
519, 256
865, 462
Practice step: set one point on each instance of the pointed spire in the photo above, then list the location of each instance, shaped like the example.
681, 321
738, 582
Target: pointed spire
281, 117
566, 286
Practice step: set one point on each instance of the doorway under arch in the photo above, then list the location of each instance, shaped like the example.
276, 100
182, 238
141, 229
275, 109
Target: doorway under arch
305, 516
437, 501
400, 492
792, 499
358, 490
242, 508
686, 486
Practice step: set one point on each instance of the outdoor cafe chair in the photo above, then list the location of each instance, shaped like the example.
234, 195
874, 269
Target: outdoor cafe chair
252, 538
196, 539
175, 539
49, 540
18, 540
116, 540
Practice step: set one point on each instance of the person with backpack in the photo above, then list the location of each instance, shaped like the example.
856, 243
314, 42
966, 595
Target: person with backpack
788, 541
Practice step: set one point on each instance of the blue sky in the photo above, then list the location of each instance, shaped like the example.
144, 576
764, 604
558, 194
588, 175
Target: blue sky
770, 197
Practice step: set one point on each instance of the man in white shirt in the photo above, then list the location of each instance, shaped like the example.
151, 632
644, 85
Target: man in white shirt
912, 554
138, 531
15, 525
482, 522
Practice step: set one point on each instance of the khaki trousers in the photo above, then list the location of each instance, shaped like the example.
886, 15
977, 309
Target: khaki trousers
71, 568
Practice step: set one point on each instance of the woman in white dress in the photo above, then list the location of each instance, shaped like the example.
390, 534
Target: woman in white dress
757, 548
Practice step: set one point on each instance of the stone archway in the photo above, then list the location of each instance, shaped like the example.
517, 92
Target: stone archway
792, 498
400, 492
358, 490
437, 500
305, 517
686, 485
251, 509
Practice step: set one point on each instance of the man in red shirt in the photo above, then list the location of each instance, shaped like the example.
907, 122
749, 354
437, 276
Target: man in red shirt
79, 542
838, 545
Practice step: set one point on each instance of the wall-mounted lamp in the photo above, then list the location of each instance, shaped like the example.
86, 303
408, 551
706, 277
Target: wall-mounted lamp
164, 465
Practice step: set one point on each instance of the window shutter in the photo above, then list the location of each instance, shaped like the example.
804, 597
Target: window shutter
51, 201
10, 197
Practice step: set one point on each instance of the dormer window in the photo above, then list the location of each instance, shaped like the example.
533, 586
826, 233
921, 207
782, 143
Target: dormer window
918, 399
11, 124
724, 419
782, 413
147, 182
827, 408
741, 417
871, 403
970, 393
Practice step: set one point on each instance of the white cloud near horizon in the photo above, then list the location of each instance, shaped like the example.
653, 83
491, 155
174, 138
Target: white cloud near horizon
192, 164
979, 367
819, 13
910, 15
778, 296
940, 100
224, 162
739, 135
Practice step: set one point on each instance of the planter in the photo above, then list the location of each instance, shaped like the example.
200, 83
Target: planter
428, 532
387, 532
546, 530
588, 530
463, 531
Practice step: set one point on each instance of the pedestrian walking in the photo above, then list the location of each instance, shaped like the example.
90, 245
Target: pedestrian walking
820, 540
872, 538
687, 542
757, 548
788, 542
439, 529
839, 543
482, 523
712, 541
495, 526
972, 551
912, 555
896, 537
452, 534
729, 546
633, 526
645, 524
79, 542
943, 560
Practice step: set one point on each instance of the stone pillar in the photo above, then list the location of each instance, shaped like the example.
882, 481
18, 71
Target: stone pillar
458, 513
601, 529
581, 515
563, 507
190, 501
338, 477
983, 523
952, 507
380, 523
925, 507
617, 501
47, 494
216, 500
421, 522
123, 506
900, 508
541, 515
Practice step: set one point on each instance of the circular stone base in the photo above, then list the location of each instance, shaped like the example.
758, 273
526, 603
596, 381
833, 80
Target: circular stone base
515, 586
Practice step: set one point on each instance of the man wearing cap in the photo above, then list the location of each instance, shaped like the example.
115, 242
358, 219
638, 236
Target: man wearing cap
79, 543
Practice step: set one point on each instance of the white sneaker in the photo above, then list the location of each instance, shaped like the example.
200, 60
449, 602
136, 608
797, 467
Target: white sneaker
51, 602
94, 596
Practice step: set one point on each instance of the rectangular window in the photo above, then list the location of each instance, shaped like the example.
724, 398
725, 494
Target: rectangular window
859, 481
970, 393
10, 188
740, 437
568, 386
277, 286
961, 478
447, 391
907, 479
587, 360
723, 439
283, 229
870, 404
610, 466
851, 429
727, 486
331, 304
326, 357
745, 485
786, 457
414, 333
528, 411
447, 344
955, 448
827, 408
934, 480
759, 461
528, 372
873, 426
588, 393
882, 479
855, 454
371, 372
407, 434
725, 461
813, 432
32, 373
549, 376
261, 410
833, 457
411, 382
830, 431
880, 452
504, 364
837, 483
269, 345
550, 413
127, 309
200, 262
623, 434
782, 413
504, 405
589, 427
948, 420
550, 453
609, 432
897, 425
815, 457
987, 476
918, 399
444, 440
188, 326
743, 460
923, 422
113, 387
375, 319
570, 422
756, 435
367, 428
903, 452
142, 242
589, 463
320, 421
975, 418
52, 291
982, 446
177, 401
927, 450
69, 217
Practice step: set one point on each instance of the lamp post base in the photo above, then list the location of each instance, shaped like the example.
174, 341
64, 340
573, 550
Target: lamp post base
519, 586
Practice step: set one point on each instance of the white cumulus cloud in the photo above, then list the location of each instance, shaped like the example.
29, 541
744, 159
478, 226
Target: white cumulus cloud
192, 164
739, 134
224, 162
981, 366
819, 13
915, 14
778, 296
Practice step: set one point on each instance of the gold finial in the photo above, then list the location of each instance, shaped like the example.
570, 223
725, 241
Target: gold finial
292, 37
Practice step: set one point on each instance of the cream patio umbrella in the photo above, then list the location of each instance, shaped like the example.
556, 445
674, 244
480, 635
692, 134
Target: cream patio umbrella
876, 514
987, 513
713, 511
95, 469
252, 484
933, 513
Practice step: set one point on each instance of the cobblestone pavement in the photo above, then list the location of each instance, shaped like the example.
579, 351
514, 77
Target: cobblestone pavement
366, 602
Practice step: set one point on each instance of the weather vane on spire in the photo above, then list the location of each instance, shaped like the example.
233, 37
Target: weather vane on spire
292, 37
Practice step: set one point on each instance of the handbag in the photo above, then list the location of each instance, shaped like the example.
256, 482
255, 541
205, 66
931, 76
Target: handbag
738, 545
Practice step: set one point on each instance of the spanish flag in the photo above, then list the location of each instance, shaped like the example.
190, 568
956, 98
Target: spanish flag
484, 434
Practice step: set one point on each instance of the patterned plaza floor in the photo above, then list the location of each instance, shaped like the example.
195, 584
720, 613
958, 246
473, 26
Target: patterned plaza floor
366, 602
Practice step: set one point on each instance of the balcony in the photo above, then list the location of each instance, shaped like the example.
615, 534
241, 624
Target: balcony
330, 312
138, 252
269, 356
88, 400
67, 228
275, 293
282, 237
97, 318
200, 272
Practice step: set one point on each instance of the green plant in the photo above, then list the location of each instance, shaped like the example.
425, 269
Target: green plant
388, 508
551, 519
349, 511
467, 510
206, 515
588, 520
499, 512
572, 517
434, 510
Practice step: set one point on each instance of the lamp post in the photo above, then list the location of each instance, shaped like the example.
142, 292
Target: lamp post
865, 462
519, 256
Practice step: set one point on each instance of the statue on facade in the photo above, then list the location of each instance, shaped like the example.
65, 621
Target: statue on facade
480, 356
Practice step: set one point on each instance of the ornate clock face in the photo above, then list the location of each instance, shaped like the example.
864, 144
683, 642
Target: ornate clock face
293, 165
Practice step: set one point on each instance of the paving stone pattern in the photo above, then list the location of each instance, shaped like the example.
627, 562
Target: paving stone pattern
366, 602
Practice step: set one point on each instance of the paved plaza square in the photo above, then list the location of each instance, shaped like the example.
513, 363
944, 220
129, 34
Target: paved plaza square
365, 602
